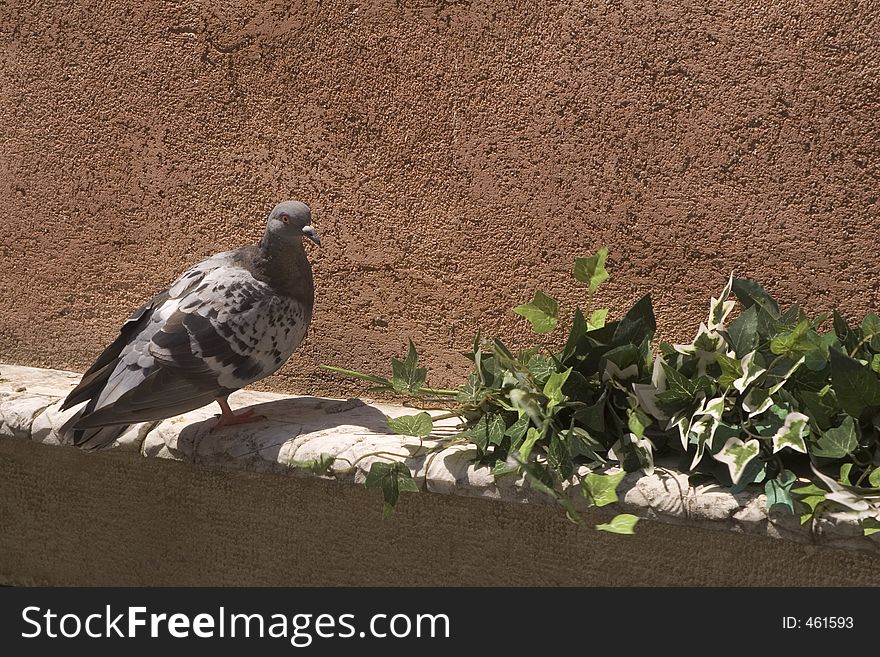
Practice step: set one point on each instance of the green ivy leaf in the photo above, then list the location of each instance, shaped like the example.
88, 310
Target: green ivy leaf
731, 370
874, 478
419, 425
779, 491
875, 363
592, 270
855, 385
870, 526
750, 293
678, 387
871, 331
553, 388
576, 346
581, 443
597, 319
489, 430
517, 431
838, 442
743, 332
637, 325
810, 496
601, 490
541, 367
392, 478
471, 390
542, 312
844, 474
796, 342
320, 466
637, 421
406, 375
844, 333
820, 406
620, 524
528, 445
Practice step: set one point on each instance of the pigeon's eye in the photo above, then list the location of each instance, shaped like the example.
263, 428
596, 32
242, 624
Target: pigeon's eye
285, 218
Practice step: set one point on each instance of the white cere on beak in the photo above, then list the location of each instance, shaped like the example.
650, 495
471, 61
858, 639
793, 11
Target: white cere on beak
312, 234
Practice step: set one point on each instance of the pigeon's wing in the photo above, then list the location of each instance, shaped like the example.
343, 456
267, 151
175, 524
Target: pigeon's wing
126, 363
213, 338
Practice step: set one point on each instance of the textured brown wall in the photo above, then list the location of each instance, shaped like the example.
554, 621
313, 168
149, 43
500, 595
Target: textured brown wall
143, 522
456, 155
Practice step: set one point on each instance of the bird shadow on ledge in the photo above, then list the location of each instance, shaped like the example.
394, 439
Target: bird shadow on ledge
258, 445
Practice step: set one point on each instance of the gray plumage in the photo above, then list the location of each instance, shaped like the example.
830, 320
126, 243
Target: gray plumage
230, 320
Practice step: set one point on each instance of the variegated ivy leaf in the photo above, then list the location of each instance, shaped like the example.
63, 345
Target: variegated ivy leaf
856, 502
701, 432
783, 378
526, 405
706, 348
703, 428
721, 307
792, 433
850, 500
646, 393
631, 445
616, 375
737, 455
753, 367
756, 402
644, 449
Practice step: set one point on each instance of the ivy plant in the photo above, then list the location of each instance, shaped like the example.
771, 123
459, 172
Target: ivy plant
772, 398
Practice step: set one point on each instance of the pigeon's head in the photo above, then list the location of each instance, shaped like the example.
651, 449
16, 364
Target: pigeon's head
290, 221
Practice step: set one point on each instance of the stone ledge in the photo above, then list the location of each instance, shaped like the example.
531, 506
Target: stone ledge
300, 428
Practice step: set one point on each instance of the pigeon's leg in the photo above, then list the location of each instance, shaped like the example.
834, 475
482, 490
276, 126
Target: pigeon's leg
228, 418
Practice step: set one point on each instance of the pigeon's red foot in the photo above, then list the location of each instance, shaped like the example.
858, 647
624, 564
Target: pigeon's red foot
228, 418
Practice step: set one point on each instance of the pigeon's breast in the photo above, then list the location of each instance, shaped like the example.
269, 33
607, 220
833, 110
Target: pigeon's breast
261, 328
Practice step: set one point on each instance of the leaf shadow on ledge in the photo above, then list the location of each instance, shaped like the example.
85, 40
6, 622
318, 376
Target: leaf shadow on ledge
258, 445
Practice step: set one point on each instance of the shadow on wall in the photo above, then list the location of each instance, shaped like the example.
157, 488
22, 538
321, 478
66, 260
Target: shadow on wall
285, 420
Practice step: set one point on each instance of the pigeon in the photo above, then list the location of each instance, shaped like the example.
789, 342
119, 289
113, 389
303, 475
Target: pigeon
232, 319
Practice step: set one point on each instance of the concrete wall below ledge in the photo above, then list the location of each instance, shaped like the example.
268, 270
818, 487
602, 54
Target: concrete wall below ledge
115, 518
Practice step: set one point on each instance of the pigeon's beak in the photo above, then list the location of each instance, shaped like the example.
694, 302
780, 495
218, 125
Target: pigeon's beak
312, 234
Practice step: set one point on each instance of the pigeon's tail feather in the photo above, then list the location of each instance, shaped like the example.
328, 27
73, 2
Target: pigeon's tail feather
97, 376
90, 386
92, 438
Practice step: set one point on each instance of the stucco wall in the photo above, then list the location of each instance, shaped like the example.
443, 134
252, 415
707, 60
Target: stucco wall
456, 155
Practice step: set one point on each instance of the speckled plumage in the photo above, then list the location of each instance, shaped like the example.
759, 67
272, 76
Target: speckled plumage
232, 319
